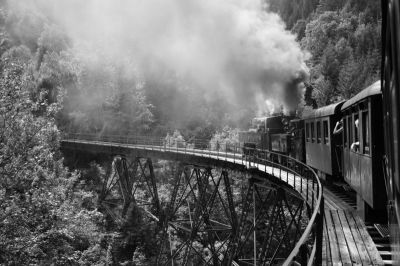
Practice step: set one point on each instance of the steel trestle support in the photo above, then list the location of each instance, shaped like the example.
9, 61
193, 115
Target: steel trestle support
205, 216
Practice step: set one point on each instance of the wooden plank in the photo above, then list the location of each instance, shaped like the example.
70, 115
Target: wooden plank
369, 244
330, 200
343, 249
355, 256
325, 247
335, 202
327, 244
332, 238
328, 205
328, 254
365, 259
327, 257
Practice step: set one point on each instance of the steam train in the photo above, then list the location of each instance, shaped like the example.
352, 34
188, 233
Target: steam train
341, 141
355, 140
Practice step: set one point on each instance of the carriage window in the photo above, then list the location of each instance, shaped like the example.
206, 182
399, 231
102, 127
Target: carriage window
356, 124
355, 145
365, 132
350, 129
345, 132
307, 132
319, 132
312, 132
326, 132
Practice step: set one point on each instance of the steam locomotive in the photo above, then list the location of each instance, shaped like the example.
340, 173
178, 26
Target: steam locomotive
278, 133
268, 133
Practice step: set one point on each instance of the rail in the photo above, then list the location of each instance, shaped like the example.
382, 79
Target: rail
303, 179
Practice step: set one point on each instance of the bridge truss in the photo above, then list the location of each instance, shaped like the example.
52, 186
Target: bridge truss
206, 216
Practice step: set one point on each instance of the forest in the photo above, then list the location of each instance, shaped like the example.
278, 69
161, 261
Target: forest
344, 40
53, 82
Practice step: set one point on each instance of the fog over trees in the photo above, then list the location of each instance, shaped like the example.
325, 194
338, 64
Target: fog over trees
50, 83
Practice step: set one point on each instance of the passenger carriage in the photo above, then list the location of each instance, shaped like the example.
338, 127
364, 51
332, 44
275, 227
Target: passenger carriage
323, 149
363, 151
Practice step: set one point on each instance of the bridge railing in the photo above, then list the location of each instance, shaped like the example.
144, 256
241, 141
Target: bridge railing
303, 179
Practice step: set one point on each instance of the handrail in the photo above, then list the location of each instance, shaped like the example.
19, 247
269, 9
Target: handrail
251, 157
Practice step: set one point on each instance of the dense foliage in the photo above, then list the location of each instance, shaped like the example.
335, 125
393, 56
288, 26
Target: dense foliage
343, 38
42, 220
225, 140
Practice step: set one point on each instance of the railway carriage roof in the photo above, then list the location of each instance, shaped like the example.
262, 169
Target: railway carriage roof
374, 89
323, 111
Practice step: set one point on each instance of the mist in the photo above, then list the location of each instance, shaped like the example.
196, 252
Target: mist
236, 50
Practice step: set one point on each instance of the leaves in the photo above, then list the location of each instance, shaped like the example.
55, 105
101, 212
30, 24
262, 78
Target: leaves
225, 140
42, 218
343, 38
343, 44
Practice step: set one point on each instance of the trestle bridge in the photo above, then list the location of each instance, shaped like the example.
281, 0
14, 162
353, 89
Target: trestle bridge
222, 208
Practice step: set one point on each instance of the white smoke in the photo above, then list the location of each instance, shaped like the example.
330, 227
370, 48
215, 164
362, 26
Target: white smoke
235, 48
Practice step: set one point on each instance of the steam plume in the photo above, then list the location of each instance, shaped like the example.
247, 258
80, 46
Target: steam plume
235, 48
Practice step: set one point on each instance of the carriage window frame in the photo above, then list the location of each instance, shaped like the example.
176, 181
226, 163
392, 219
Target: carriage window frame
345, 137
307, 132
350, 130
312, 130
325, 128
318, 125
356, 131
366, 132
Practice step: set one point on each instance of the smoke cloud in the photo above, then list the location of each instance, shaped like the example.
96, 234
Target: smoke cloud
236, 49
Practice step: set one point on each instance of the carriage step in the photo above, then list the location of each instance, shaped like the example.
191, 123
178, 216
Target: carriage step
383, 230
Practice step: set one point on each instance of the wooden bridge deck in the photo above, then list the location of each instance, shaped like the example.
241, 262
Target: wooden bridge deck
346, 240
